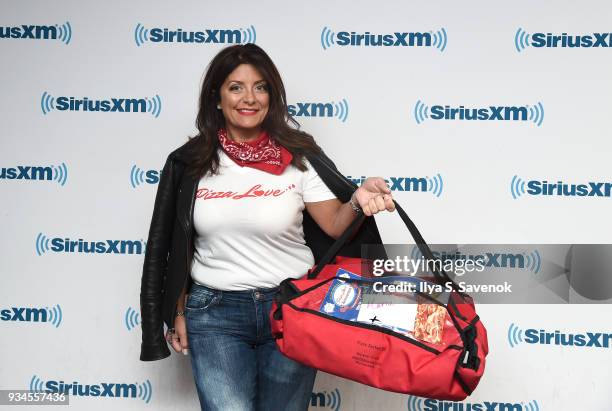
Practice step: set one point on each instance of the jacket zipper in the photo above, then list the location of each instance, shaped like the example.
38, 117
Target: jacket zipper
188, 234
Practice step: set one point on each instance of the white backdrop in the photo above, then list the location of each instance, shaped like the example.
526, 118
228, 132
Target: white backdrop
100, 169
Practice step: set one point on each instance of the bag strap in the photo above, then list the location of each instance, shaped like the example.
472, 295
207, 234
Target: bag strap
414, 232
337, 245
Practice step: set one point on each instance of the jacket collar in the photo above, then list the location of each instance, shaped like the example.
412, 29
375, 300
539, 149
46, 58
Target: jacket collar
185, 153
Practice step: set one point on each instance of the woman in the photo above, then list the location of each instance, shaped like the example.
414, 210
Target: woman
243, 205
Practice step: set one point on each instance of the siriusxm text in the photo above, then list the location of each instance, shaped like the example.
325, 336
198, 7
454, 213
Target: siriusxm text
24, 314
93, 390
67, 245
397, 39
159, 35
311, 110
26, 173
120, 105
29, 32
587, 339
152, 176
492, 113
438, 405
590, 189
506, 260
571, 41
398, 183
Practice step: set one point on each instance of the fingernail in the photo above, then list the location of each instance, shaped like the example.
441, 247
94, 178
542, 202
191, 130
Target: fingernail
185, 351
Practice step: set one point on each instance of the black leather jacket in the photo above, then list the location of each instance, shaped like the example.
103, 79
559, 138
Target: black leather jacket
170, 247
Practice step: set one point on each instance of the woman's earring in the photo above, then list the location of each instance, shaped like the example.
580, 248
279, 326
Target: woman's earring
218, 106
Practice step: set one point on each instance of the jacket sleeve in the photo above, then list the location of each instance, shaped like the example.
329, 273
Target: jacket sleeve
342, 187
154, 346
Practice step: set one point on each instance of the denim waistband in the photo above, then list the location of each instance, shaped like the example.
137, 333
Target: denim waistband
255, 294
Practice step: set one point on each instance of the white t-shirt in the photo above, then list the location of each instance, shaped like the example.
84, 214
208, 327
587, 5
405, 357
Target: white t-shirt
248, 225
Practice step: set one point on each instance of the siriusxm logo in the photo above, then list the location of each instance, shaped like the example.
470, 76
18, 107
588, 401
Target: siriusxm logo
436, 39
139, 176
531, 261
532, 336
534, 114
544, 188
51, 315
56, 173
208, 36
62, 33
433, 185
143, 391
131, 319
339, 110
428, 404
66, 245
331, 400
522, 40
150, 105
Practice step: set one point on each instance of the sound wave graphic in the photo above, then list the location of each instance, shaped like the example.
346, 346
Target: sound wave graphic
534, 261
440, 39
136, 176
145, 391
132, 318
341, 110
47, 102
64, 32
517, 187
54, 315
435, 184
41, 244
141, 35
536, 113
154, 105
327, 38
415, 403
421, 112
521, 40
60, 173
36, 384
515, 335
333, 399
531, 406
249, 35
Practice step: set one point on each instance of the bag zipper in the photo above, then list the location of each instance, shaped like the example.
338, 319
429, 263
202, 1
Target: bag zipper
362, 325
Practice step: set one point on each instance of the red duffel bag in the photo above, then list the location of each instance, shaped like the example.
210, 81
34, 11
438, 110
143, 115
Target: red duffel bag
379, 356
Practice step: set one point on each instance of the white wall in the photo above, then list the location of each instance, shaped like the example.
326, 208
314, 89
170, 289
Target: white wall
478, 67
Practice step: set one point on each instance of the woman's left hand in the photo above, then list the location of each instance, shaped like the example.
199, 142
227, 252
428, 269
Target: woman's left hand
373, 196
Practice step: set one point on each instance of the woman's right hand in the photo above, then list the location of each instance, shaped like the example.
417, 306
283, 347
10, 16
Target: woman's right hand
178, 337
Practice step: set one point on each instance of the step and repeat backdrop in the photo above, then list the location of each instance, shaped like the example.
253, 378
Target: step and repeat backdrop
489, 120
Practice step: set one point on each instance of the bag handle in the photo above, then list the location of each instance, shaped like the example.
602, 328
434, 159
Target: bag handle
414, 232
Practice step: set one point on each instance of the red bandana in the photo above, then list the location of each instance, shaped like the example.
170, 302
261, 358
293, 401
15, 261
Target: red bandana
263, 153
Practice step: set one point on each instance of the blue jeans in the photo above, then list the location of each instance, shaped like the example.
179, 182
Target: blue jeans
234, 358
